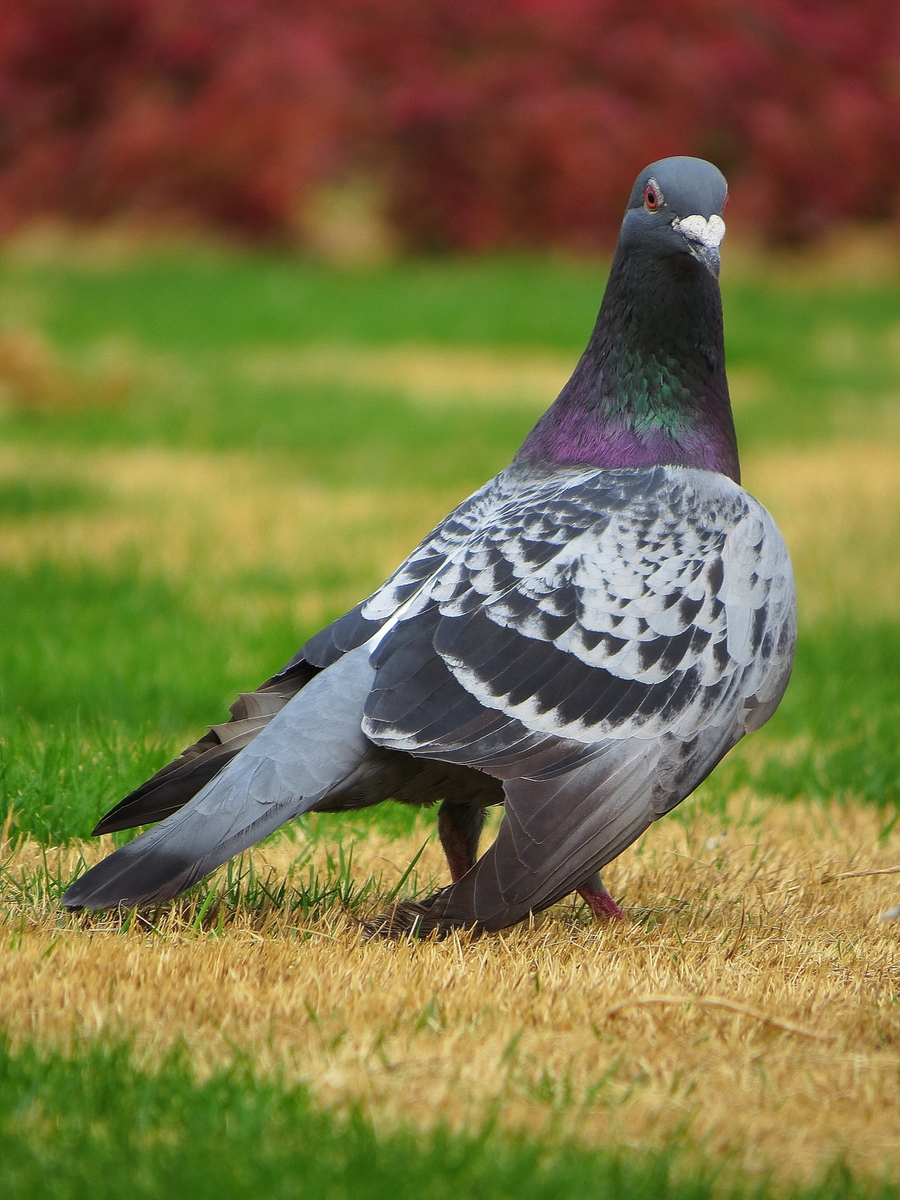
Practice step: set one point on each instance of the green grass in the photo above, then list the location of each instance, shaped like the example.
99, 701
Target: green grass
103, 677
207, 303
38, 497
82, 729
110, 646
825, 357
92, 1124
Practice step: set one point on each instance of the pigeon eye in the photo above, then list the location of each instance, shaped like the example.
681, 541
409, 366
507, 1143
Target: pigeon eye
651, 198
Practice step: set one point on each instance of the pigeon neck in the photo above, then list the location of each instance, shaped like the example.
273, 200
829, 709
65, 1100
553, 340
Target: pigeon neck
650, 388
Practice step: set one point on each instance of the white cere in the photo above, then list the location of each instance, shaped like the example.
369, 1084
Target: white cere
699, 229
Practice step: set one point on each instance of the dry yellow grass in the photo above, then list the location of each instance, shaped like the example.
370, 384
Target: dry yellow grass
424, 374
34, 379
748, 1001
839, 510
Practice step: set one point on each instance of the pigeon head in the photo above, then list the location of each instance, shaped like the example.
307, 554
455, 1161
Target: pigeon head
676, 208
650, 389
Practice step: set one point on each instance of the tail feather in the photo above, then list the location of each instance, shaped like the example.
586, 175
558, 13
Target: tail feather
177, 782
309, 750
162, 862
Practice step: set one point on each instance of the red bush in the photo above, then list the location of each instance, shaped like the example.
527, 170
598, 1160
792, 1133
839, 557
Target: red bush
508, 123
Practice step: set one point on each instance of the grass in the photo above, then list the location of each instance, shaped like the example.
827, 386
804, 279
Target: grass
204, 459
116, 1129
744, 1014
93, 1124
809, 361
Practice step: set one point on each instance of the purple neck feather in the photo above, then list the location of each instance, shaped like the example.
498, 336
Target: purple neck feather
650, 389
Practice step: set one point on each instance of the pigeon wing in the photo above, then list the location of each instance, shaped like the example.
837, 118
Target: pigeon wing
598, 642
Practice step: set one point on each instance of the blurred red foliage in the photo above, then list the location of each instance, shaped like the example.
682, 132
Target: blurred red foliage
483, 124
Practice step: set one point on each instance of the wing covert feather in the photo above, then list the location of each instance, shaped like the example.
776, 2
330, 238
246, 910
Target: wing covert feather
590, 606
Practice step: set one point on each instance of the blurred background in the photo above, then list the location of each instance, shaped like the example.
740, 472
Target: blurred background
446, 125
280, 283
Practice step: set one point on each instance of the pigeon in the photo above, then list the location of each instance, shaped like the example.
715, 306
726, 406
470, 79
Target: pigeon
582, 640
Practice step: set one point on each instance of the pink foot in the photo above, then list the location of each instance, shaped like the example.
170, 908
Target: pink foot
600, 901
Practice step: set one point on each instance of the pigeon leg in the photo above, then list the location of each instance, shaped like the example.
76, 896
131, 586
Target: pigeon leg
599, 900
459, 828
554, 834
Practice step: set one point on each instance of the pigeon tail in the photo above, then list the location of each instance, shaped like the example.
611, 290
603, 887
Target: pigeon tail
179, 781
311, 749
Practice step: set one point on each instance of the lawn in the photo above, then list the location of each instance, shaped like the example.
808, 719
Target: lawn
205, 456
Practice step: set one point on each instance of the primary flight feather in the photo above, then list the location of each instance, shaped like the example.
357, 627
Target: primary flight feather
581, 640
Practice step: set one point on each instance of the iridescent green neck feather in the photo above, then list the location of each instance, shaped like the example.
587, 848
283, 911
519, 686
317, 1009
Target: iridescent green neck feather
650, 388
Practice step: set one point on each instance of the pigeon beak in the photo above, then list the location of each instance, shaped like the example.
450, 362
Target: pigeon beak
703, 238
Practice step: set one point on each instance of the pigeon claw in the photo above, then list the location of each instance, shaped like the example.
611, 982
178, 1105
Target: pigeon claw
417, 919
402, 920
